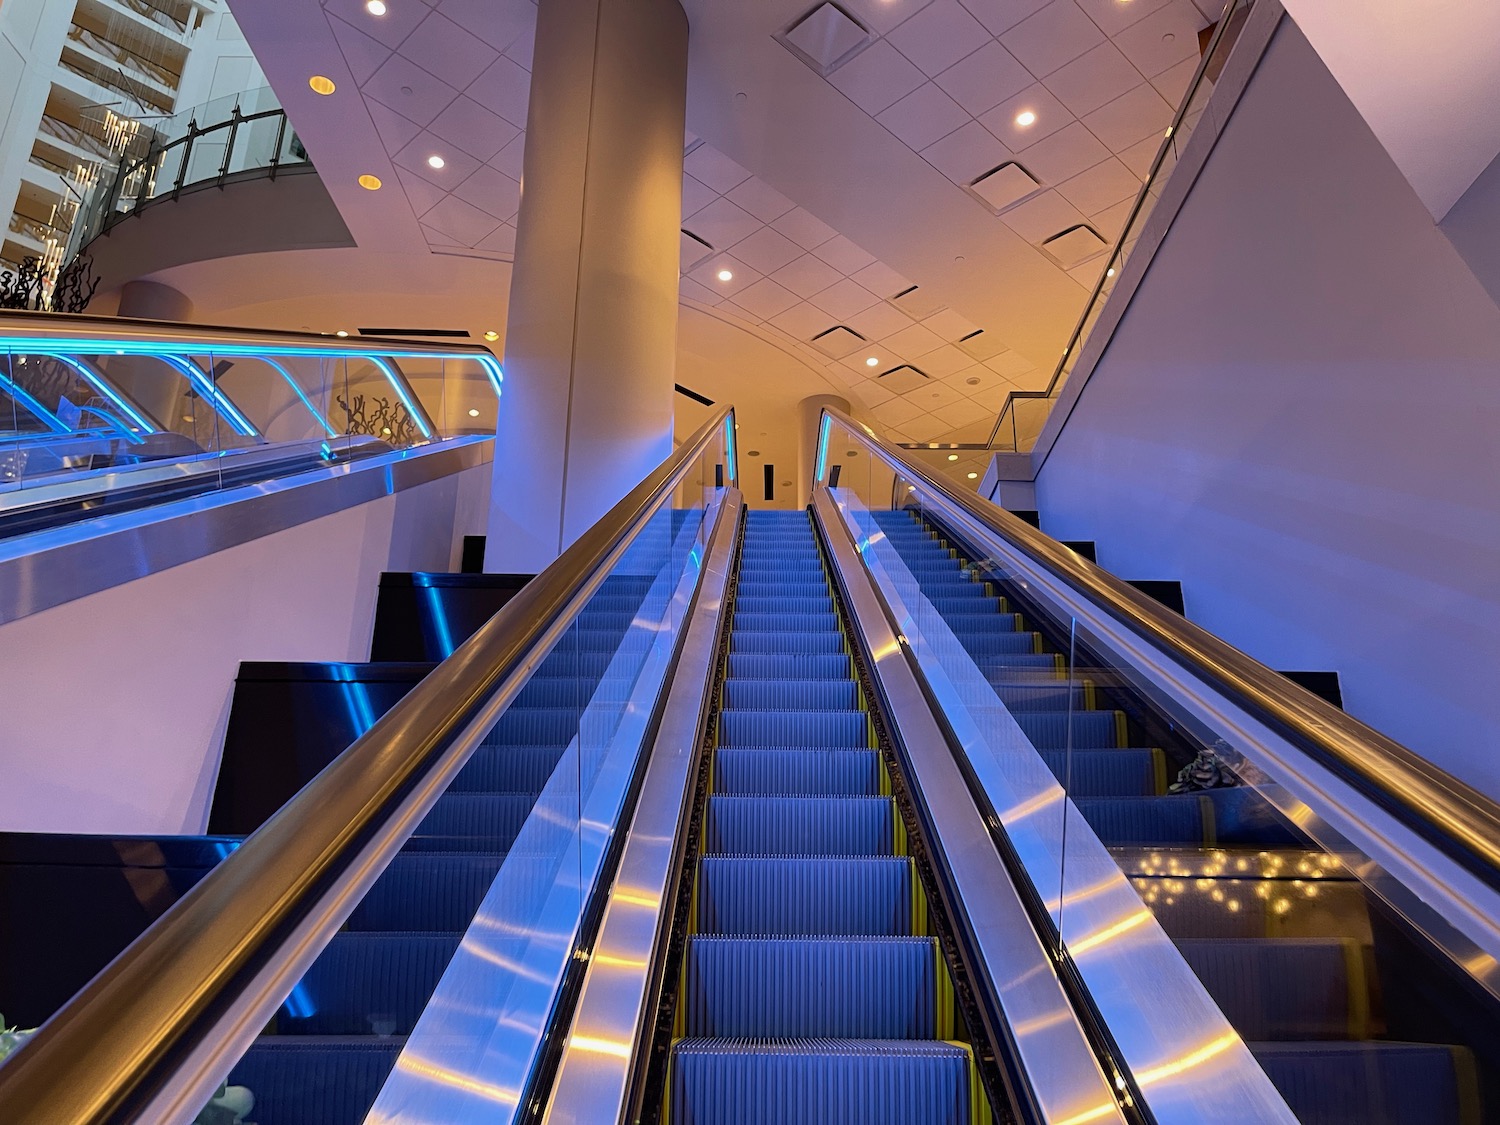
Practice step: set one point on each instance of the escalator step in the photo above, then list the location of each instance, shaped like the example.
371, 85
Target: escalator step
786, 622
805, 895
773, 771
1056, 695
791, 695
1281, 989
1091, 730
819, 1082
472, 822
367, 984
997, 642
1106, 773
507, 769
786, 988
810, 644
762, 604
798, 826
1373, 1083
1217, 816
315, 1079
426, 891
782, 728
757, 666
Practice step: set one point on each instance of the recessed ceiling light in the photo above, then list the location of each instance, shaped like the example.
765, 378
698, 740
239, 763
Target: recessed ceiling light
369, 182
341, 332
873, 361
1025, 118
321, 85
973, 476
973, 380
726, 275
492, 335
473, 413
1110, 272
953, 456
375, 7
435, 161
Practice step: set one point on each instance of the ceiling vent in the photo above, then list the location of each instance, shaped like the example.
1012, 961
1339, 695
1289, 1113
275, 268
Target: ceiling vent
838, 342
826, 38
1004, 187
981, 345
1075, 245
901, 380
693, 250
917, 303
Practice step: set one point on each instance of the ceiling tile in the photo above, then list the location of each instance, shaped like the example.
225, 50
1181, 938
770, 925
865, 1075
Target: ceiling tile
966, 153
1099, 76
935, 394
436, 238
876, 78
721, 223
1103, 185
461, 221
841, 254
1002, 15
975, 379
982, 345
699, 292
844, 298
765, 298
962, 412
837, 342
923, 116
950, 325
473, 128
984, 79
505, 88
896, 412
760, 199
872, 393
422, 196
492, 192
880, 321
395, 131
1075, 246
1139, 157
1164, 38
803, 322
1010, 365
1131, 118
1051, 115
1042, 217
859, 361
826, 36
502, 240
881, 280
510, 159
1114, 16
1211, 9
708, 274
520, 51
1088, 273
803, 228
994, 398
918, 302
361, 52
1172, 83
767, 251
498, 23
883, 15
1064, 154
944, 361
1006, 186
442, 47
1057, 34
389, 29
1110, 222
402, 85
457, 166
807, 275
916, 340
938, 36
713, 168
690, 251
926, 428
695, 196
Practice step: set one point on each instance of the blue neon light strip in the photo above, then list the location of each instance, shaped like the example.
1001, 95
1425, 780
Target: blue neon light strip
95, 380
729, 449
291, 382
822, 449
25, 398
210, 392
492, 368
398, 385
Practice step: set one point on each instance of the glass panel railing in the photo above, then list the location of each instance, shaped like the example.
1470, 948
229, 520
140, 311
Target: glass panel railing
101, 414
1319, 910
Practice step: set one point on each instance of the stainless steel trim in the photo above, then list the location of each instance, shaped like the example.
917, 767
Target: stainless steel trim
614, 1008
192, 984
48, 568
1067, 1082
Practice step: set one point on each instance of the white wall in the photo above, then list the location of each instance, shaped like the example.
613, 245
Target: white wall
115, 704
31, 37
1297, 417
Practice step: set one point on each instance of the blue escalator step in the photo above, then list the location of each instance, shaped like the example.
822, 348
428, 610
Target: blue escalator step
472, 822
798, 826
810, 644
1049, 730
785, 622
428, 891
535, 726
367, 984
967, 625
507, 769
998, 642
848, 895
1285, 988
783, 728
791, 695
1054, 695
819, 1082
1105, 773
761, 603
804, 988
1176, 819
780, 772
1019, 665
753, 666
1377, 1083
1243, 816
315, 1079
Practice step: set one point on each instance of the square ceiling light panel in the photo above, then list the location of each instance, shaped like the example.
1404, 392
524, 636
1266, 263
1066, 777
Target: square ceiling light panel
838, 341
917, 303
904, 379
981, 345
693, 251
826, 38
1075, 245
1004, 186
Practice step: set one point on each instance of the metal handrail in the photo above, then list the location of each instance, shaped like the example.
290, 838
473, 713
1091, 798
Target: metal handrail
121, 1039
1450, 814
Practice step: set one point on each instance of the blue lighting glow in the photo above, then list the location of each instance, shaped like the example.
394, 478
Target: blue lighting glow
439, 618
206, 388
822, 449
398, 385
291, 382
97, 381
49, 419
734, 476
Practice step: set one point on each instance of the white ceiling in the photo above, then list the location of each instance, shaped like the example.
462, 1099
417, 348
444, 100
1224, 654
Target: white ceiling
825, 195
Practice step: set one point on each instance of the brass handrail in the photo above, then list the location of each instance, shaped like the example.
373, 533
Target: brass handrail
119, 1040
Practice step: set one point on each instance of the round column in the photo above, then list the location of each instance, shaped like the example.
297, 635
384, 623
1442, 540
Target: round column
809, 411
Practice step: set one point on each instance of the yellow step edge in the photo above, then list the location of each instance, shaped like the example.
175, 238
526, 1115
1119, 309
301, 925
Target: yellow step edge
980, 1112
1159, 770
1122, 731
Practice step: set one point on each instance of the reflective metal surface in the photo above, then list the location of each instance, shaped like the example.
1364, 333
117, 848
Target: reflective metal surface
202, 982
1067, 1083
